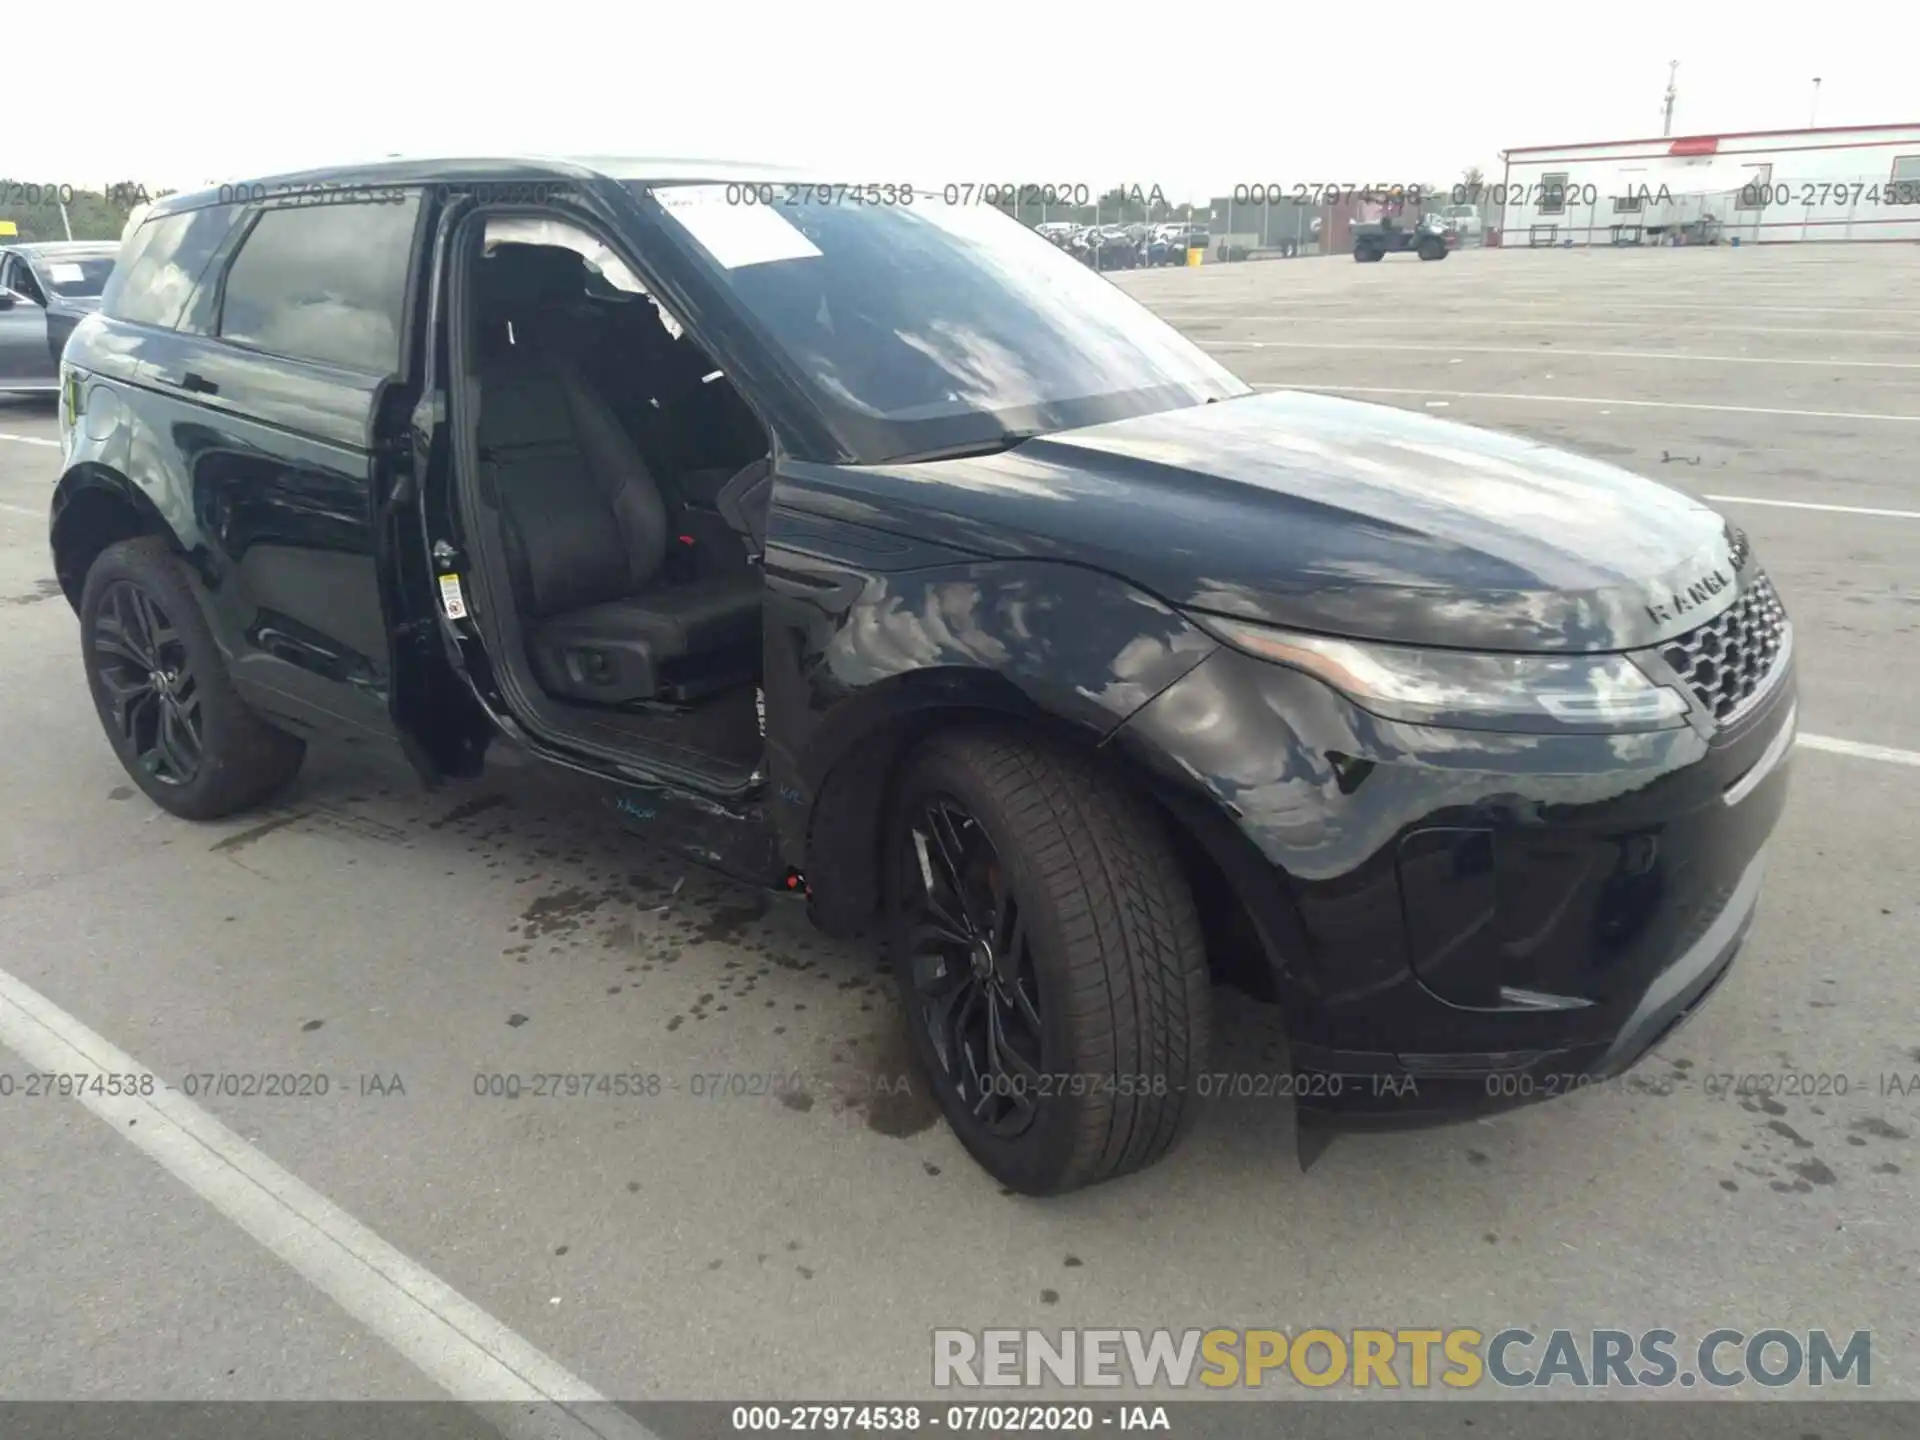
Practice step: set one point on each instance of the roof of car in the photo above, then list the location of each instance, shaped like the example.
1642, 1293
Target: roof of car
492, 169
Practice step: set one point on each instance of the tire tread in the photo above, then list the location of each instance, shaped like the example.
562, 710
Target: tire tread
1136, 973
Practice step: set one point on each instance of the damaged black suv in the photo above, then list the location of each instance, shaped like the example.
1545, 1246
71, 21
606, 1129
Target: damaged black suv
868, 547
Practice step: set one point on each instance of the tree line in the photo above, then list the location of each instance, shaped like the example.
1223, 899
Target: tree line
34, 208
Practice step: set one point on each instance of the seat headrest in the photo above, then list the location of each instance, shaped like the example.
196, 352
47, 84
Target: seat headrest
516, 277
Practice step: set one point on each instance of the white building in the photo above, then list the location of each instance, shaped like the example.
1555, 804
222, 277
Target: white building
1846, 183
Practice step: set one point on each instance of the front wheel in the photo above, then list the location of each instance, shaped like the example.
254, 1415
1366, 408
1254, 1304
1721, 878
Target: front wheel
1433, 248
163, 694
1049, 959
1365, 253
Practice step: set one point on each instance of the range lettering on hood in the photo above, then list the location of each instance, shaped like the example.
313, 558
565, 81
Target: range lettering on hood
1692, 598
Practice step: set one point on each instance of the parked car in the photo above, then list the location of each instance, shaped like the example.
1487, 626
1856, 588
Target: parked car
1464, 221
1168, 244
1114, 248
1103, 247
45, 287
1163, 248
1192, 237
1375, 238
1085, 677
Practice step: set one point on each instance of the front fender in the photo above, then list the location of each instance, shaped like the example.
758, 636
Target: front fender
859, 663
1071, 645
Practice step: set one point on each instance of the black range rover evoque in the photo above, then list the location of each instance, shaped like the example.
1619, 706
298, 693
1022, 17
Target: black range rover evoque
869, 547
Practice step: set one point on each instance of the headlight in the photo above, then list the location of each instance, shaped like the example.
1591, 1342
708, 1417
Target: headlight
1471, 691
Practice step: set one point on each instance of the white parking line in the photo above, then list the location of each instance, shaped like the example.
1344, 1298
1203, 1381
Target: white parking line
1559, 300
1541, 353
1809, 505
1860, 751
1589, 400
1175, 315
31, 440
467, 1352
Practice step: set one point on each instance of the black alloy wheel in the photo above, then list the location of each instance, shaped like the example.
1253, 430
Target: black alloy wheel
971, 968
153, 698
1048, 958
160, 685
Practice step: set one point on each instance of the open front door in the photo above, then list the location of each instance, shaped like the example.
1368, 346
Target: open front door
439, 717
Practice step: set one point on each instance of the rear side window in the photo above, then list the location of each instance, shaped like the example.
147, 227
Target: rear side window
162, 262
324, 282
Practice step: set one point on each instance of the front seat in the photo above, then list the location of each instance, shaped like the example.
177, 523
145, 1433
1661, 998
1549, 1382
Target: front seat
586, 529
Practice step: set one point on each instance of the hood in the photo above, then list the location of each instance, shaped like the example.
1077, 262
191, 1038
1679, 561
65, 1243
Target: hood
1328, 515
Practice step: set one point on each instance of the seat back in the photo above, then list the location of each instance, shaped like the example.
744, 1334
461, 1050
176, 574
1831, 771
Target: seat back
583, 519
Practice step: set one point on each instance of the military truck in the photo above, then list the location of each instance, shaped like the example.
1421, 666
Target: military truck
1389, 236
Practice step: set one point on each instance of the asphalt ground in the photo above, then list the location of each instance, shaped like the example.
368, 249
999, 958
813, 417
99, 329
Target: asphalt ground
805, 1245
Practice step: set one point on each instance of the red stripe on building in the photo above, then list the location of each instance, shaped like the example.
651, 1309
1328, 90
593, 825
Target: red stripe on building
1730, 135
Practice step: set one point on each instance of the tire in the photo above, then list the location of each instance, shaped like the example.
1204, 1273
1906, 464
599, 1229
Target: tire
189, 741
1431, 249
1365, 253
1101, 941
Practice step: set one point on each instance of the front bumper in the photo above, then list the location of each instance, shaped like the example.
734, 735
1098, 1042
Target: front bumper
1459, 921
1389, 1088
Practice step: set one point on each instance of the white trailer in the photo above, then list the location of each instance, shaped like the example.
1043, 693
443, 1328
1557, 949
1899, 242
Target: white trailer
1855, 183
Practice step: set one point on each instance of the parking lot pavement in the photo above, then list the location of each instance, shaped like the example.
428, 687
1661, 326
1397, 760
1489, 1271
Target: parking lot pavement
804, 1244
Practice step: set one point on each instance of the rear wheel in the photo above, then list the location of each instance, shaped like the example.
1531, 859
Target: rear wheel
1049, 959
163, 694
1433, 248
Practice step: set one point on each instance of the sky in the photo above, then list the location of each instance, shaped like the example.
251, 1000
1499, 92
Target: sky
1193, 98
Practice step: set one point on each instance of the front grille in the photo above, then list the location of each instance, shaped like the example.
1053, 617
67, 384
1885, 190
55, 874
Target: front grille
1726, 660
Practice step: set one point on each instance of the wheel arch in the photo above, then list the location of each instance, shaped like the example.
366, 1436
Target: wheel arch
1250, 925
95, 506
851, 769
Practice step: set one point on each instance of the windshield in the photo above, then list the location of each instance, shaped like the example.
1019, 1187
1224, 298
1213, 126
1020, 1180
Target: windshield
924, 327
75, 277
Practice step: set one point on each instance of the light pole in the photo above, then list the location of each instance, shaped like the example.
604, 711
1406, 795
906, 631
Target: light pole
1673, 69
1814, 113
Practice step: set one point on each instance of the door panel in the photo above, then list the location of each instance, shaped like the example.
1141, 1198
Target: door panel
277, 467
23, 339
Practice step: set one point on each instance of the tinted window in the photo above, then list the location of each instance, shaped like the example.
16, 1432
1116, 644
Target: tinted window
162, 262
324, 282
923, 326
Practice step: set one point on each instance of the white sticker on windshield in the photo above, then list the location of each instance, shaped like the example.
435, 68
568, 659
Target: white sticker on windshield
734, 234
65, 272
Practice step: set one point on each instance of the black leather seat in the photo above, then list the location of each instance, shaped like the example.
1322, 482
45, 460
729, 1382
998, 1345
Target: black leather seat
587, 530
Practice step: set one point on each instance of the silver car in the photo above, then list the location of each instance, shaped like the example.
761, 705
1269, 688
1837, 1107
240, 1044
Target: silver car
46, 287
